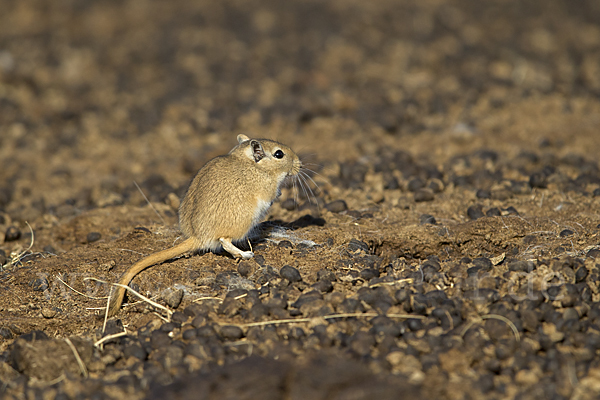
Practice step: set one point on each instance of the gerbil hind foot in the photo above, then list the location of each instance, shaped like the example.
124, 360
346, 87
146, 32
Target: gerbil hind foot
234, 251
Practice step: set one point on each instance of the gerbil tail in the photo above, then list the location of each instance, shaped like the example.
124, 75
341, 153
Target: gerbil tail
116, 298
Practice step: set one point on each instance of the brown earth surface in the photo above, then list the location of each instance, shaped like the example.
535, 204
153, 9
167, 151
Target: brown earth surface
447, 241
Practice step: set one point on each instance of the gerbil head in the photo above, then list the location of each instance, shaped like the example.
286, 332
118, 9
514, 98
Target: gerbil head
270, 156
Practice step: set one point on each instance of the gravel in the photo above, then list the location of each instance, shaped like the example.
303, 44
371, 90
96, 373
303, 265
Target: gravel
450, 252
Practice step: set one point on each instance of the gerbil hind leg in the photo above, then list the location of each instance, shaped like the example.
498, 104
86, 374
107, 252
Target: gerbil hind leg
234, 251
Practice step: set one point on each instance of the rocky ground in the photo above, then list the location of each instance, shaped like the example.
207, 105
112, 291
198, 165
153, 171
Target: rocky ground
448, 247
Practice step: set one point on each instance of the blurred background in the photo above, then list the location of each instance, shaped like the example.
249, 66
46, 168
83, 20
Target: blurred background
461, 131
97, 94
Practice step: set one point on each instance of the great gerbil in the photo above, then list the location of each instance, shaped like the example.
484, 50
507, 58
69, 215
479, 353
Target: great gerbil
227, 198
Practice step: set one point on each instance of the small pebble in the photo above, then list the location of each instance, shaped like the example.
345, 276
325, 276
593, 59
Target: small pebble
432, 264
357, 245
503, 352
231, 332
284, 244
427, 219
173, 297
538, 180
48, 313
354, 214
135, 350
5, 333
525, 266
415, 184
296, 333
307, 298
487, 154
530, 319
39, 284
390, 182
258, 311
326, 275
352, 173
323, 286
483, 194
566, 233
198, 321
369, 273
34, 336
402, 295
160, 339
493, 212
596, 192
93, 237
414, 324
485, 383
436, 185
290, 273
194, 310
179, 317
189, 334
511, 211
581, 274
167, 327
205, 331
337, 206
553, 292
593, 253
361, 343
483, 262
424, 195
474, 212
12, 233
171, 356
276, 302
571, 313
244, 268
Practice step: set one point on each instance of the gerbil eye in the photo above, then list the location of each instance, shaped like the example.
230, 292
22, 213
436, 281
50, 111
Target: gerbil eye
278, 154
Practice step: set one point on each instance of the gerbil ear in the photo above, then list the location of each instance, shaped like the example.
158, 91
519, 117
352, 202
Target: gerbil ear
257, 150
242, 138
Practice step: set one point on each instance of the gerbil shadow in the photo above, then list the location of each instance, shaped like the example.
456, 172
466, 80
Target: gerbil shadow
265, 229
302, 222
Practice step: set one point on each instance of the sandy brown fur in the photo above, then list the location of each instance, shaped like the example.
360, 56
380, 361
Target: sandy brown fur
226, 199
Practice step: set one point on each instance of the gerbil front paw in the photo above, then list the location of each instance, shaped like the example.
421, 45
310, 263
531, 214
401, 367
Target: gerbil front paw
246, 255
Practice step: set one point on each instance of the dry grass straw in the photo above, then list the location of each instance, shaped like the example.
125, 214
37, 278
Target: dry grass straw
100, 343
150, 204
208, 298
82, 367
391, 283
510, 324
82, 294
327, 317
15, 258
144, 298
